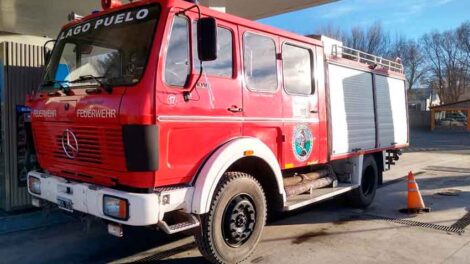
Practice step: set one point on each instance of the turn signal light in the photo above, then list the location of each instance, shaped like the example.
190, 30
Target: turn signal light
248, 153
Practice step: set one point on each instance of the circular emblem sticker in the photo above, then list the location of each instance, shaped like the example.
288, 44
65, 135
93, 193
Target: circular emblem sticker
302, 142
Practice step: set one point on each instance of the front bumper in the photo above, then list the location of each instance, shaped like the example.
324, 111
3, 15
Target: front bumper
144, 208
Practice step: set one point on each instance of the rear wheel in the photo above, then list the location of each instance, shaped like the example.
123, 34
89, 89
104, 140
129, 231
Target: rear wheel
232, 228
363, 196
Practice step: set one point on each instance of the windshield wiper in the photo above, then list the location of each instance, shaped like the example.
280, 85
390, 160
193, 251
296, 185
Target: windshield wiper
62, 87
98, 79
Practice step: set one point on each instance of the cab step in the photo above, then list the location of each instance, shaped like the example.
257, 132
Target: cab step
191, 223
317, 195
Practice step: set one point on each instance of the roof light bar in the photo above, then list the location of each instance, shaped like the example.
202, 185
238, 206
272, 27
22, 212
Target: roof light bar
108, 4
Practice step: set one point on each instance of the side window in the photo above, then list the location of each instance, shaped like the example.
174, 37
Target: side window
223, 66
260, 65
177, 59
297, 70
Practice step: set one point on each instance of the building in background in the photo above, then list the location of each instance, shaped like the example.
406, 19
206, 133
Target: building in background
422, 99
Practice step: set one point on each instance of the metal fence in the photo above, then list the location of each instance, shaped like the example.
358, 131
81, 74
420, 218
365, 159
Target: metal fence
21, 67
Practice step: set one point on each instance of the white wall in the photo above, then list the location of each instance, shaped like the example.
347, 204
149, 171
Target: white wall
26, 39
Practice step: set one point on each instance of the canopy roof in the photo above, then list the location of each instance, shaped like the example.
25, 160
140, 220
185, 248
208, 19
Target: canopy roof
46, 17
256, 9
461, 105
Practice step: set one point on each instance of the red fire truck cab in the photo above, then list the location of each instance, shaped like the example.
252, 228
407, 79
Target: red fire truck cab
167, 114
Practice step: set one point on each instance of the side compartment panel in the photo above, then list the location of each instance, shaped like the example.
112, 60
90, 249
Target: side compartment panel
351, 110
391, 111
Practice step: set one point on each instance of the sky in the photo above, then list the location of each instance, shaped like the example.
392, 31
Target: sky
411, 18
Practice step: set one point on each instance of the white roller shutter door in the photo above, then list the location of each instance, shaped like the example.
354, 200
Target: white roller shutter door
351, 110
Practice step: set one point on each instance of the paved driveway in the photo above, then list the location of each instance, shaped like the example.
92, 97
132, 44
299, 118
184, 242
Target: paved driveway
447, 141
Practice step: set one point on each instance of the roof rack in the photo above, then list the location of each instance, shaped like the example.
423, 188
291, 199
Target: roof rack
362, 57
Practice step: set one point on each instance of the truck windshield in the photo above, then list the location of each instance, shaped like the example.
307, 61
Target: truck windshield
111, 50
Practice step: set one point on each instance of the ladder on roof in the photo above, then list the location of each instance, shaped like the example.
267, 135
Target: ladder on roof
363, 57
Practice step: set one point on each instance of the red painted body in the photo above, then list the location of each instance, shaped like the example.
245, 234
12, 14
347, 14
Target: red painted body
188, 131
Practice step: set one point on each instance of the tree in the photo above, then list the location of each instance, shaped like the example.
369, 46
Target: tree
410, 53
439, 59
463, 33
463, 36
373, 39
448, 74
331, 31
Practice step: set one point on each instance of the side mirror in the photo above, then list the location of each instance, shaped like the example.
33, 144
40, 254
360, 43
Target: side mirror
47, 56
47, 51
207, 39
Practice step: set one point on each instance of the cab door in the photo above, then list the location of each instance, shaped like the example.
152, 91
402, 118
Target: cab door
191, 130
262, 96
301, 108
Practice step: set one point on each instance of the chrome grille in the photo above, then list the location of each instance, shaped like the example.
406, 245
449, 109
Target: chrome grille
89, 146
99, 147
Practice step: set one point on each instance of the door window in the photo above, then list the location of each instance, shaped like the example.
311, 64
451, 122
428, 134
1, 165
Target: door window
260, 64
223, 65
297, 70
177, 60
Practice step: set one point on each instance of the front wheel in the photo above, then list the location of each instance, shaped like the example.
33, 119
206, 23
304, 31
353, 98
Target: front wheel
232, 228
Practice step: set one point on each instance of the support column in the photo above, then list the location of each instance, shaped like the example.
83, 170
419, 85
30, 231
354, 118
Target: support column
433, 119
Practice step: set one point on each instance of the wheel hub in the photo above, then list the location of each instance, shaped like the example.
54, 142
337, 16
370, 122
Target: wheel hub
239, 220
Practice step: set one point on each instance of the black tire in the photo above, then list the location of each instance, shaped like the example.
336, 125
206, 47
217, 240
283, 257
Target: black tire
363, 196
239, 202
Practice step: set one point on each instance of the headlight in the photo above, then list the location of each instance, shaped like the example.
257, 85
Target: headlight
115, 207
34, 185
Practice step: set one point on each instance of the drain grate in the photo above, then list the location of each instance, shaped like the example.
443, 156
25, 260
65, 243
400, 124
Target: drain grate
463, 222
452, 229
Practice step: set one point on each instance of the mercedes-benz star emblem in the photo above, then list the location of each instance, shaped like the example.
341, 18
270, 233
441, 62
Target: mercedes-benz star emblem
70, 144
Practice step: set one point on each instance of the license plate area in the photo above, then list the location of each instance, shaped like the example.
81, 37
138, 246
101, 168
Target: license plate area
65, 204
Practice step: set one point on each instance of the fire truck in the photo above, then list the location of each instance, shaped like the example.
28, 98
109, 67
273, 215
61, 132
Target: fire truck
171, 115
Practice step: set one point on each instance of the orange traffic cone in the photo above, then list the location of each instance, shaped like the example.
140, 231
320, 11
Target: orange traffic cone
415, 200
